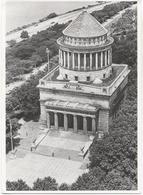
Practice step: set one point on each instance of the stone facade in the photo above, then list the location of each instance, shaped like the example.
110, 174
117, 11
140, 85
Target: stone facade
88, 86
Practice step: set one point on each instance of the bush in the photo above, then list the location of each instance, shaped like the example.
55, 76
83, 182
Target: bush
64, 186
19, 185
45, 184
24, 34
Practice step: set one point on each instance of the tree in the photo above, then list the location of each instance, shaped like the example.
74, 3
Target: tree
45, 184
23, 51
24, 34
36, 59
15, 126
64, 186
41, 51
52, 15
11, 43
114, 181
89, 181
19, 185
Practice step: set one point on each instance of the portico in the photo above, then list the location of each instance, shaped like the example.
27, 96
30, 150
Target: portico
76, 120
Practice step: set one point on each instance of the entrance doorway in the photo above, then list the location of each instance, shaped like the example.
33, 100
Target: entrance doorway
89, 124
60, 120
70, 121
79, 122
52, 119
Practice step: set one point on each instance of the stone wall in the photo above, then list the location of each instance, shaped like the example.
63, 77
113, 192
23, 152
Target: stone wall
82, 75
103, 120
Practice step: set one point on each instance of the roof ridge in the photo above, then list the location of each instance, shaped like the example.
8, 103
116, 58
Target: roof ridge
85, 25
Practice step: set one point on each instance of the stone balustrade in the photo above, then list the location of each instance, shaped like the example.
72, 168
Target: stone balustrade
85, 41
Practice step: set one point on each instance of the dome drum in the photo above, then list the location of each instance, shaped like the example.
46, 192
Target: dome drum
81, 76
85, 61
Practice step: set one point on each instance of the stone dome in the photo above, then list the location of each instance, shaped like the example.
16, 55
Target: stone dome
85, 26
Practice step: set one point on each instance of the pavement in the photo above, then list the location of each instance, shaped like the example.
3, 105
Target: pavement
31, 166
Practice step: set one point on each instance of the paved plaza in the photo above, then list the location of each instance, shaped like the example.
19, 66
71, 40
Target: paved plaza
31, 166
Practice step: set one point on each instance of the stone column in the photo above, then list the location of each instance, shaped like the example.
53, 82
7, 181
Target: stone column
56, 120
78, 61
65, 122
96, 61
111, 56
108, 57
68, 60
59, 56
64, 59
101, 59
93, 125
73, 63
75, 123
85, 125
43, 116
105, 58
90, 61
84, 61
48, 120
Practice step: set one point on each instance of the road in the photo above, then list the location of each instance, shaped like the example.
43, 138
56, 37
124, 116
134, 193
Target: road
46, 24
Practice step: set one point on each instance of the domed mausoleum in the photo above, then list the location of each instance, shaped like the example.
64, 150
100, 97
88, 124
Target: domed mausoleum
83, 93
85, 52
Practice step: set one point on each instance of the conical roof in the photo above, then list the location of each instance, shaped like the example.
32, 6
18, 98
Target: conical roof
85, 25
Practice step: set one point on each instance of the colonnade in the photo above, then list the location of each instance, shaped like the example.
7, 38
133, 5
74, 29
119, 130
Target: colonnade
85, 61
85, 41
75, 121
